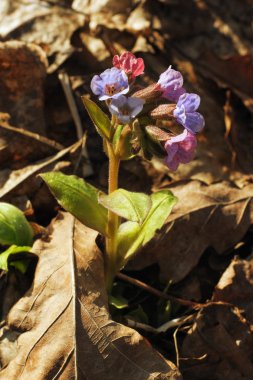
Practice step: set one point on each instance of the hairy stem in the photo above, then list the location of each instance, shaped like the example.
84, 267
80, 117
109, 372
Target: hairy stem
113, 219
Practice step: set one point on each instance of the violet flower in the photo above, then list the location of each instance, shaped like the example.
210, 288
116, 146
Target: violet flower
130, 64
180, 149
185, 113
171, 82
110, 84
126, 108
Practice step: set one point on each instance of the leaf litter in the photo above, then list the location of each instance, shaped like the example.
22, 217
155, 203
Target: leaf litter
216, 188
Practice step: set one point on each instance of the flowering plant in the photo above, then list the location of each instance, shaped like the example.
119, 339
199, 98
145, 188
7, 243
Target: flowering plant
142, 122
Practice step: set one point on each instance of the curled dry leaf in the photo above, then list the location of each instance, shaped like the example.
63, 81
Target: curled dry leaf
215, 216
22, 65
220, 343
236, 286
66, 330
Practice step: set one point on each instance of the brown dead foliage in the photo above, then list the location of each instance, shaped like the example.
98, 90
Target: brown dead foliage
215, 216
23, 66
64, 322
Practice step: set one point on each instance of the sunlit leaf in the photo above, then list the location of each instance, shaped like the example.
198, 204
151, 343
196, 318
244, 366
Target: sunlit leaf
14, 228
79, 198
162, 203
129, 205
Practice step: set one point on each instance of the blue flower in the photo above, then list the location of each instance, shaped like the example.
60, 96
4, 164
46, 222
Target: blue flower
171, 82
110, 84
126, 108
185, 113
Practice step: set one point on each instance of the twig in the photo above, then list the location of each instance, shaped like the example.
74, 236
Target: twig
175, 322
32, 135
158, 293
176, 346
141, 326
65, 82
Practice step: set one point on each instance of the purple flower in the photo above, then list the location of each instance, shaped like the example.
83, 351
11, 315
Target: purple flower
126, 108
185, 113
110, 84
180, 149
171, 82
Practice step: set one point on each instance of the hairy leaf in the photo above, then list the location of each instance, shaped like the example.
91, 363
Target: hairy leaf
79, 198
162, 203
99, 118
64, 319
14, 228
129, 205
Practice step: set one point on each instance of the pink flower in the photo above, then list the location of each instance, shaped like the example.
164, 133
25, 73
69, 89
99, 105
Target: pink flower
130, 64
180, 149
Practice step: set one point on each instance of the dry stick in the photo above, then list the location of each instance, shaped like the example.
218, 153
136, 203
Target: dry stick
65, 82
158, 293
35, 136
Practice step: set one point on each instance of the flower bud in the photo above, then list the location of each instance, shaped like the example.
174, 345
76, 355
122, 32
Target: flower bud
157, 134
163, 112
149, 93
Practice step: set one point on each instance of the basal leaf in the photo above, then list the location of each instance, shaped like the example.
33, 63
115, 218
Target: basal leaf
14, 228
6, 257
162, 203
99, 118
129, 205
79, 198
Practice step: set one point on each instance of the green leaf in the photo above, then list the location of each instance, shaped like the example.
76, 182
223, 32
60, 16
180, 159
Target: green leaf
14, 228
127, 233
99, 118
122, 142
6, 258
79, 198
118, 301
162, 203
129, 205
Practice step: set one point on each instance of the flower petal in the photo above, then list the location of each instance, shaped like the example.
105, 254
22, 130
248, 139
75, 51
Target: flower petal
191, 102
194, 122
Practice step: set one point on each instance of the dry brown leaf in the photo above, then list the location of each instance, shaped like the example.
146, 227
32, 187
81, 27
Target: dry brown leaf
23, 65
64, 321
217, 215
218, 346
28, 22
11, 180
236, 286
18, 145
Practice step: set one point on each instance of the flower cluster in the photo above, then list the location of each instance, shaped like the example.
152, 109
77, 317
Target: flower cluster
113, 85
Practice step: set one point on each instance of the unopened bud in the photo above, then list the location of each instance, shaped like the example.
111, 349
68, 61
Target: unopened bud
149, 93
157, 134
163, 112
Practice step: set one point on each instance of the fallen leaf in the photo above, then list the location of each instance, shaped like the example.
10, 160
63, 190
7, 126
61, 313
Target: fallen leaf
22, 65
236, 286
10, 180
219, 345
65, 313
28, 22
215, 216
25, 145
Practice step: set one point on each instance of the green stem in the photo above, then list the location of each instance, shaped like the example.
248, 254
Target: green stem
113, 220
